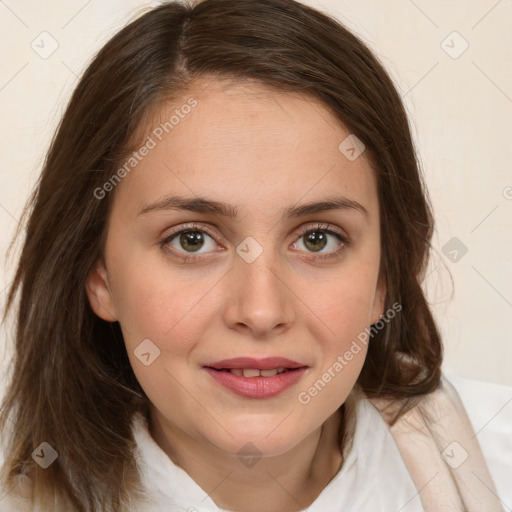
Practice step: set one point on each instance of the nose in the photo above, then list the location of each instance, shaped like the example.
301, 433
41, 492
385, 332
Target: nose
260, 301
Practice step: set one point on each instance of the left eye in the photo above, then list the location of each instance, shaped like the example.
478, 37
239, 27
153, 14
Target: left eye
315, 240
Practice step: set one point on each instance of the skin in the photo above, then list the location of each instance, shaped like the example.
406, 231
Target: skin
258, 150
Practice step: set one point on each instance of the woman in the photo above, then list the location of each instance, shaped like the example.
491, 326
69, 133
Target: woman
222, 272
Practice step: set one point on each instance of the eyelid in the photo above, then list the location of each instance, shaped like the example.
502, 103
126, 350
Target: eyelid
323, 227
194, 226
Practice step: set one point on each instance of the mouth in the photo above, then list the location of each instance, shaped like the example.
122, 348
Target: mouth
265, 363
256, 378
254, 372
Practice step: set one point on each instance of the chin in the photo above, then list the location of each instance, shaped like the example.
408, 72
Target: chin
256, 440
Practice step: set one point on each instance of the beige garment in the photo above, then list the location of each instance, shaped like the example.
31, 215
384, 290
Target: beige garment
440, 449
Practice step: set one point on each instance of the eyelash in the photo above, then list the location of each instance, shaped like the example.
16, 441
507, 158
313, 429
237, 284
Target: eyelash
191, 258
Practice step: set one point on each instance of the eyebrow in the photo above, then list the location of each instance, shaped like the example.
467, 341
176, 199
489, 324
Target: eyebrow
209, 206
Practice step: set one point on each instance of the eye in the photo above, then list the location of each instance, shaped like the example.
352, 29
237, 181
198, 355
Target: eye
189, 241
319, 239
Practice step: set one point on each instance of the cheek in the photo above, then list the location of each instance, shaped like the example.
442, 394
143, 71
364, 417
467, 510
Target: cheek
169, 309
332, 381
340, 327
342, 302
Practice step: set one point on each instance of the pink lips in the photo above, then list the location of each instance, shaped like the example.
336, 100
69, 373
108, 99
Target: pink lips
267, 363
260, 386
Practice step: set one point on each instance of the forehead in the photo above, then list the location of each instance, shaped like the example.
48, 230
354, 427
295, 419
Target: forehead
246, 143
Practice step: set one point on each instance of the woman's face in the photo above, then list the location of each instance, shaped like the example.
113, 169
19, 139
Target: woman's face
264, 279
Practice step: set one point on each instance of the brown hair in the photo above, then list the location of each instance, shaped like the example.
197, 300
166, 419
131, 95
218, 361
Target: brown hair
73, 385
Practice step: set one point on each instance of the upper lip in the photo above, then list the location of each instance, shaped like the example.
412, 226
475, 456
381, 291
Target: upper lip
266, 363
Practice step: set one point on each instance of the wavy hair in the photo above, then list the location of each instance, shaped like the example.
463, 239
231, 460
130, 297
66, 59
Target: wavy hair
72, 384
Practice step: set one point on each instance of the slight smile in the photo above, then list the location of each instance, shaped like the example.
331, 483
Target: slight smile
256, 378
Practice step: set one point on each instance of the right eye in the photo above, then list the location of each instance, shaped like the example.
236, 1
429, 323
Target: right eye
189, 241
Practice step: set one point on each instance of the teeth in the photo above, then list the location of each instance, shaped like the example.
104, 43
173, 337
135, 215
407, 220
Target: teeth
254, 372
251, 372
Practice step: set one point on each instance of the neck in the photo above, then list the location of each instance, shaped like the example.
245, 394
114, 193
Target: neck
286, 483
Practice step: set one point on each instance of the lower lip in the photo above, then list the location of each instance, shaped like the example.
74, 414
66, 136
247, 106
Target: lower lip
257, 387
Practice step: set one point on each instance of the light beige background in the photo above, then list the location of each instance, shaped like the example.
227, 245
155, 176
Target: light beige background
461, 118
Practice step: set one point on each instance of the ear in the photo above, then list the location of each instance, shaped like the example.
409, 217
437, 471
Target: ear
379, 300
99, 293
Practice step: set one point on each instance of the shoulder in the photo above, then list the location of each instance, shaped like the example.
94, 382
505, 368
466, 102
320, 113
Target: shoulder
489, 408
460, 433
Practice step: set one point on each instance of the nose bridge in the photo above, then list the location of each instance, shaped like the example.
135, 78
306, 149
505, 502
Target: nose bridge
260, 299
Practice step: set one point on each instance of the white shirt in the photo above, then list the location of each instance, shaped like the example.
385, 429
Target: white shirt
373, 476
